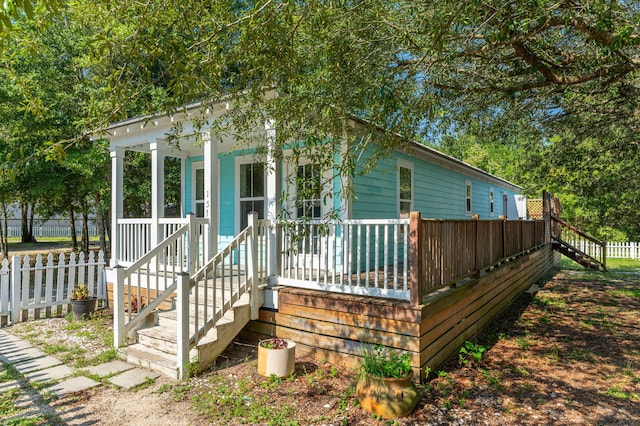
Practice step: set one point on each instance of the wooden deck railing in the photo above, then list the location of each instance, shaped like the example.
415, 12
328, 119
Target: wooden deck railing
447, 251
364, 257
398, 258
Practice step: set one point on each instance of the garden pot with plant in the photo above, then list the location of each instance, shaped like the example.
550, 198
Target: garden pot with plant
276, 357
385, 387
82, 303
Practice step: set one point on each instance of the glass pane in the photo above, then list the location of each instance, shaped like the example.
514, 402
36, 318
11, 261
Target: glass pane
245, 180
199, 209
405, 207
199, 184
405, 184
258, 180
247, 207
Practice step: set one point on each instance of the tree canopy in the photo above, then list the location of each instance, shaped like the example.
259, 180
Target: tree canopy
544, 91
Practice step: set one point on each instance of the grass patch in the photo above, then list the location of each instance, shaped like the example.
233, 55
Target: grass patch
8, 401
224, 403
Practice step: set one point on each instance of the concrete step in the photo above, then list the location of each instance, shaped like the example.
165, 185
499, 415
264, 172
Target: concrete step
152, 359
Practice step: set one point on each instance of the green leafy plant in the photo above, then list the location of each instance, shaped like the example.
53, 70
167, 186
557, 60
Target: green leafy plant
80, 292
380, 361
274, 343
471, 353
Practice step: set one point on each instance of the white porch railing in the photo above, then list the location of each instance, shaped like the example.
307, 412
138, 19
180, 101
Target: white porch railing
161, 275
365, 257
134, 237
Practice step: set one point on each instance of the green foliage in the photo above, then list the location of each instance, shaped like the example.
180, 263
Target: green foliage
225, 403
274, 343
80, 292
380, 361
8, 400
471, 353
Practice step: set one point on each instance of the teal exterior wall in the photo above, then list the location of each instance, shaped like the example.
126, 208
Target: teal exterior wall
438, 192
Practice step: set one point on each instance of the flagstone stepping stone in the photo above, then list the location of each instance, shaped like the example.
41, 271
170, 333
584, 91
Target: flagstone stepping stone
54, 373
109, 368
72, 385
132, 378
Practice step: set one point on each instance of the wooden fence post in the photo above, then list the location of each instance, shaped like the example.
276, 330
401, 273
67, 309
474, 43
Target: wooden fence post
416, 256
546, 215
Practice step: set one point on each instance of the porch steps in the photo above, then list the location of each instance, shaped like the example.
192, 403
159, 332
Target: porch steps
157, 346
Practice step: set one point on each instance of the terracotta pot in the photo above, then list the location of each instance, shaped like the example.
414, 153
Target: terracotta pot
83, 307
281, 362
387, 397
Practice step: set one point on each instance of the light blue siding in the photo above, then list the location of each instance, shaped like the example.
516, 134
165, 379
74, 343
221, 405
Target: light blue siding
438, 192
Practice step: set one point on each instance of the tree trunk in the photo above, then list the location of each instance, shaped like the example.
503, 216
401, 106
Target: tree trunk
27, 236
85, 231
101, 221
32, 214
72, 226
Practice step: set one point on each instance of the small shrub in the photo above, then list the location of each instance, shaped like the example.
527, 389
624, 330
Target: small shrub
471, 354
382, 362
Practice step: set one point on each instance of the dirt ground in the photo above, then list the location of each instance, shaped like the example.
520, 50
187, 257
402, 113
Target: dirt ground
570, 354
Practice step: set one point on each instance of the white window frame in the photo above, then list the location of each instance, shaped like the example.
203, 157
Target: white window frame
404, 165
492, 202
242, 160
468, 198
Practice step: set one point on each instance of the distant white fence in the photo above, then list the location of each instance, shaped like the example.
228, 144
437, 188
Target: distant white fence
615, 250
51, 231
42, 289
619, 250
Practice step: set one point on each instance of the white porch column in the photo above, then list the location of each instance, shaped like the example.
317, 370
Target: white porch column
157, 192
211, 195
117, 189
273, 195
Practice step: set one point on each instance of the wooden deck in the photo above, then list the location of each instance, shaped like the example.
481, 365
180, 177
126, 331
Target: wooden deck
332, 326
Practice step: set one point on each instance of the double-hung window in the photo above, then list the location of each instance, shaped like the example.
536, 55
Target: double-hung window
405, 188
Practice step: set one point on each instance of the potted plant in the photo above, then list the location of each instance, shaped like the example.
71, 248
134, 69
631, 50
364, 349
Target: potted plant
81, 301
385, 387
276, 357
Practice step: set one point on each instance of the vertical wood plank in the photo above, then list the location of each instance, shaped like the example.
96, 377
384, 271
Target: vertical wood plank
416, 244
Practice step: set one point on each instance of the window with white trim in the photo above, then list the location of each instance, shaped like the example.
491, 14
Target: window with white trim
468, 192
405, 189
252, 189
308, 191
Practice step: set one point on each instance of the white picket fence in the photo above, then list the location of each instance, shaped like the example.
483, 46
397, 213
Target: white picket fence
51, 231
42, 289
615, 250
623, 250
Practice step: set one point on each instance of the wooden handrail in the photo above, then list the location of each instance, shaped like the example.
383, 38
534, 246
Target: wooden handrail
577, 231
